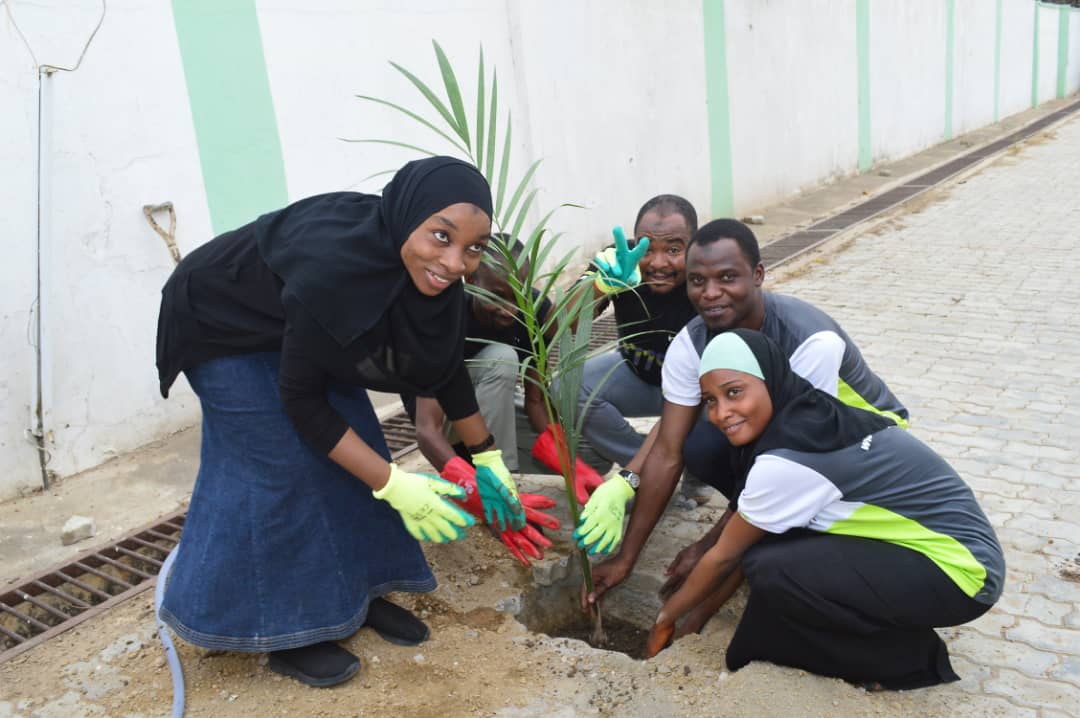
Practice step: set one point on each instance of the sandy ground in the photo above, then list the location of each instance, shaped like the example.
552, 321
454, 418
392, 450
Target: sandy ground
479, 661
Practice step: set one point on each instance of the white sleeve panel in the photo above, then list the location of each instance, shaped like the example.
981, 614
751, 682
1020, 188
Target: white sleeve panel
679, 375
781, 494
818, 360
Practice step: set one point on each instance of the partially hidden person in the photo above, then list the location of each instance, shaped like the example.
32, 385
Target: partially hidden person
299, 523
497, 344
856, 539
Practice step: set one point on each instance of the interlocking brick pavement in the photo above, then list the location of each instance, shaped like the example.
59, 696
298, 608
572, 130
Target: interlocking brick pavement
968, 308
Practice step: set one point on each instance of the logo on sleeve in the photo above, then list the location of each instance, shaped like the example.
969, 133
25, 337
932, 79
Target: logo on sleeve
865, 446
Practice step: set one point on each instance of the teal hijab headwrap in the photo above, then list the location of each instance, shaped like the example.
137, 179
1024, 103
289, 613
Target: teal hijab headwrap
730, 351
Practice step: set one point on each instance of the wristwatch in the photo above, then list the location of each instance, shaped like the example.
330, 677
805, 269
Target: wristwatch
631, 477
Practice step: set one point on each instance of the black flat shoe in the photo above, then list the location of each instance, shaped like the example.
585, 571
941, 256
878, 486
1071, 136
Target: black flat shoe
320, 665
395, 624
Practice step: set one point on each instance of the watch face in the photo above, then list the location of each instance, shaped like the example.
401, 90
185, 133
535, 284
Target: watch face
631, 478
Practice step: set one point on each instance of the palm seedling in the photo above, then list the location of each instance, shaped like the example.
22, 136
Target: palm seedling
559, 361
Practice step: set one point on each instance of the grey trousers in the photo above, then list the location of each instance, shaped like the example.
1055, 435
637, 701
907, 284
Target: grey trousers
494, 373
622, 394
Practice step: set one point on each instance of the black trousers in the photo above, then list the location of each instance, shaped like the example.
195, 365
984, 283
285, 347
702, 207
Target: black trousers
851, 608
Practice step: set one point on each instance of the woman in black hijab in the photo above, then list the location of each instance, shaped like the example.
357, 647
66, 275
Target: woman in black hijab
881, 540
279, 327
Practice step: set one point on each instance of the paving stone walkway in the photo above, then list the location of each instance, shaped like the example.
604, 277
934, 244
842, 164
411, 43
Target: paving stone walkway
969, 308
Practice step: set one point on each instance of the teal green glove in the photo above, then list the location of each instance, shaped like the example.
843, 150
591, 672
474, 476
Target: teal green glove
502, 507
617, 267
601, 522
419, 500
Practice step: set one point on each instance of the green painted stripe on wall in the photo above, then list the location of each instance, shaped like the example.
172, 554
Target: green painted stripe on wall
950, 26
1063, 50
997, 63
719, 111
232, 109
1035, 61
862, 53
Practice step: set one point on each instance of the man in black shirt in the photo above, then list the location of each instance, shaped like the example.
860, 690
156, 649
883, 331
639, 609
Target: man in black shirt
648, 317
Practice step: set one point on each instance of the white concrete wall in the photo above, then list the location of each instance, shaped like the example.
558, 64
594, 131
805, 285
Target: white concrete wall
793, 112
121, 138
1018, 29
1048, 51
116, 135
18, 461
611, 94
1073, 74
615, 107
907, 70
316, 66
973, 65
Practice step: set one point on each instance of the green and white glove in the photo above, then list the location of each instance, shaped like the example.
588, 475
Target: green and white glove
617, 267
419, 500
498, 493
601, 522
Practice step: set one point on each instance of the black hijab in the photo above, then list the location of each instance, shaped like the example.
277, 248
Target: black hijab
804, 418
339, 257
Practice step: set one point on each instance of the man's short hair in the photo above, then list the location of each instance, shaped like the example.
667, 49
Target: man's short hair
730, 229
667, 204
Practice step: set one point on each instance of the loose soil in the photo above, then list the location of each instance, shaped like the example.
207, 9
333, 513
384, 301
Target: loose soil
620, 636
480, 660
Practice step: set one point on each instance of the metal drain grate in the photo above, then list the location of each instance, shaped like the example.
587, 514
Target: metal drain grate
400, 434
59, 598
55, 600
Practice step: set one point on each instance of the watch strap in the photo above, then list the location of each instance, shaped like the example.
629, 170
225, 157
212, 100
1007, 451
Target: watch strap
632, 478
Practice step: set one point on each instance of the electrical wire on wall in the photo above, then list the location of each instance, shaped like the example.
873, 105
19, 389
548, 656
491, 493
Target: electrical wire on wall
44, 70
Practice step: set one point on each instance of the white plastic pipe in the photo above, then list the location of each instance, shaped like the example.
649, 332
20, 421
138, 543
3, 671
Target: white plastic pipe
175, 669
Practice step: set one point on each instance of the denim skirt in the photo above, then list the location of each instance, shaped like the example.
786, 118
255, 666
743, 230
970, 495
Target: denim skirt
281, 547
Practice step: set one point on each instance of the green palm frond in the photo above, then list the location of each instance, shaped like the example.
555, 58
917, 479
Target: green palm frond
559, 342
453, 94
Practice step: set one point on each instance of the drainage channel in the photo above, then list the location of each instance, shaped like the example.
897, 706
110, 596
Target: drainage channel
806, 239
58, 599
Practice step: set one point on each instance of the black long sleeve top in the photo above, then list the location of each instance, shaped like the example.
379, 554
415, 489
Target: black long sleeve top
223, 300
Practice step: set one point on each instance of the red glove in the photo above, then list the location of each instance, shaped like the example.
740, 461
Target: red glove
546, 450
458, 471
526, 541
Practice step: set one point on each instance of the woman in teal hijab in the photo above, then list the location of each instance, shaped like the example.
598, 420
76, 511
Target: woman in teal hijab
856, 539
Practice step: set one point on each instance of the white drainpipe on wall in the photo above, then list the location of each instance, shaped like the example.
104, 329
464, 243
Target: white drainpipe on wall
37, 430
37, 414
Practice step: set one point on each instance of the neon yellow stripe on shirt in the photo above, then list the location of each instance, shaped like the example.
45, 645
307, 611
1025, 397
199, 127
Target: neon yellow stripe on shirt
951, 556
852, 398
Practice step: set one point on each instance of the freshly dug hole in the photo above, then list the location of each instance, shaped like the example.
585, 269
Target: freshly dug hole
556, 611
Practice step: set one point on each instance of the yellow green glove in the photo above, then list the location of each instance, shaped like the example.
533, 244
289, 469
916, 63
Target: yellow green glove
419, 500
601, 522
617, 267
498, 493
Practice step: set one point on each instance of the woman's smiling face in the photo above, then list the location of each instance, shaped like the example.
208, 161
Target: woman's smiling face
445, 247
737, 404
